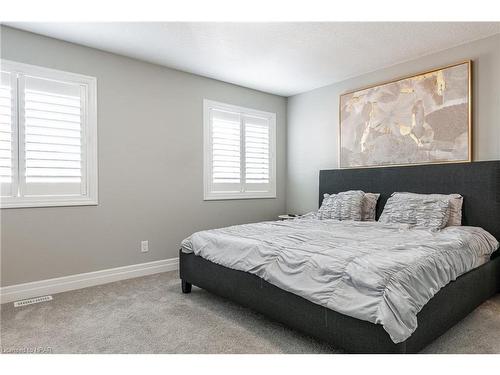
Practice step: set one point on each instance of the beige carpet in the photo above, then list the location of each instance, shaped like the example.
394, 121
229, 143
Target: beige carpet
151, 315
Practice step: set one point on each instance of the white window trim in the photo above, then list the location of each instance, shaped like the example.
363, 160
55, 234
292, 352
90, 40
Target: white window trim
208, 194
89, 140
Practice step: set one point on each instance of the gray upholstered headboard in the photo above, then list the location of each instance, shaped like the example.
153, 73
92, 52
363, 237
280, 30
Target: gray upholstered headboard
477, 182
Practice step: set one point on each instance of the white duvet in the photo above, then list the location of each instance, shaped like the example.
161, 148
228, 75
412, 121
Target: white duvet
382, 273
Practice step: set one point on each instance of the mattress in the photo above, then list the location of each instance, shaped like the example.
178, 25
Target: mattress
381, 273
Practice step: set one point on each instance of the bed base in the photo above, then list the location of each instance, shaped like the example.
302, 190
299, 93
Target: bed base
450, 305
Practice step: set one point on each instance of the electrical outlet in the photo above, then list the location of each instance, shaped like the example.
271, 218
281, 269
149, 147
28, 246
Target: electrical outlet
144, 246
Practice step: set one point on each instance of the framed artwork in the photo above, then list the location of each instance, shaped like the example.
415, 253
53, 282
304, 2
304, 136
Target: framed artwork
420, 119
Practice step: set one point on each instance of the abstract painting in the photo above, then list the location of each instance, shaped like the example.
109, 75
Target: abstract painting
420, 119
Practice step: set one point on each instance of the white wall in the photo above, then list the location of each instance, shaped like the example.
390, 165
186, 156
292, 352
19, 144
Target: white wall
150, 167
312, 121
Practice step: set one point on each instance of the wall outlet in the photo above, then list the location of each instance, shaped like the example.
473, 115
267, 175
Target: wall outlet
144, 246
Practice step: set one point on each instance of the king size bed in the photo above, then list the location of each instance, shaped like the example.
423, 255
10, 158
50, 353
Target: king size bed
363, 286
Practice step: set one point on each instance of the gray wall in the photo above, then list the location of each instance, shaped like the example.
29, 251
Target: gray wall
312, 128
150, 167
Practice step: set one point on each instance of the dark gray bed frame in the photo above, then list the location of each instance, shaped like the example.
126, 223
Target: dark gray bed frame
479, 184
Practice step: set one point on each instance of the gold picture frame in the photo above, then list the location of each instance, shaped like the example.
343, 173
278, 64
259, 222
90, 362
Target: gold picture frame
410, 81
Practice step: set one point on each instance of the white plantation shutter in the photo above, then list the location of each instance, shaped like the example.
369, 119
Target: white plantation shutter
257, 152
239, 152
52, 137
226, 150
55, 138
8, 167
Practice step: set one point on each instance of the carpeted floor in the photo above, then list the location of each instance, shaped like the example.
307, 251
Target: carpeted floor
150, 315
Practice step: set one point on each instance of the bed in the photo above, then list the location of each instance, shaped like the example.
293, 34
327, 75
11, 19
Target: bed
478, 183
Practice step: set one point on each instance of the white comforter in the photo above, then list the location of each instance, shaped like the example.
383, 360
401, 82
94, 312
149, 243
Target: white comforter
377, 272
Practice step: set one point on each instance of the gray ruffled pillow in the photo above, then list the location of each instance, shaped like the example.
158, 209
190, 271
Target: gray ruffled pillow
456, 202
342, 206
418, 211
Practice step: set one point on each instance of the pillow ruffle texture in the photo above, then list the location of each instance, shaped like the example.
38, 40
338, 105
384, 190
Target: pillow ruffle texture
456, 202
342, 206
426, 212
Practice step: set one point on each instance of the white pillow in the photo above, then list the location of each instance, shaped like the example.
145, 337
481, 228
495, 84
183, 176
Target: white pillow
455, 210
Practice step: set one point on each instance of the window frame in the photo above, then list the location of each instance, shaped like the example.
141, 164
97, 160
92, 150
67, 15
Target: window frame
89, 138
208, 193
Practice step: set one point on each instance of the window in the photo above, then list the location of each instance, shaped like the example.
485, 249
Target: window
48, 140
239, 151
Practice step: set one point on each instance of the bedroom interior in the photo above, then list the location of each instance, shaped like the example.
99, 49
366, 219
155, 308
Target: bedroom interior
177, 187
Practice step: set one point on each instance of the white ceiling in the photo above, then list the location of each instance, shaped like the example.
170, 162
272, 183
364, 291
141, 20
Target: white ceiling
280, 58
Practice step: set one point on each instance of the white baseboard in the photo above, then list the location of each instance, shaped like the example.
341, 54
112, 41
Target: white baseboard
83, 280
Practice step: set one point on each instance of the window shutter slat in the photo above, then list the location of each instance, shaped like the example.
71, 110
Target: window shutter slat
55, 124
